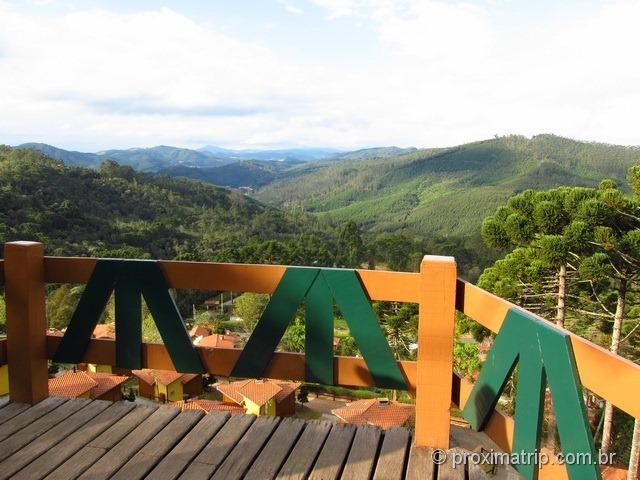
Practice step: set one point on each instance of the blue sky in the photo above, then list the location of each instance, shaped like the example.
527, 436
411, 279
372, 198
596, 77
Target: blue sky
92, 75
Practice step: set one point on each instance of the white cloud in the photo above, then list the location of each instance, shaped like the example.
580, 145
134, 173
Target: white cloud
444, 73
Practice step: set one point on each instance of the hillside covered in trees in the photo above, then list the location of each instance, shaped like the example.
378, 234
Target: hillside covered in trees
116, 211
444, 191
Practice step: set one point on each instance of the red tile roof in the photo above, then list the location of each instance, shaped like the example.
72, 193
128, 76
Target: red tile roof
258, 391
104, 330
208, 406
164, 377
105, 382
199, 331
74, 384
610, 472
217, 340
376, 411
71, 384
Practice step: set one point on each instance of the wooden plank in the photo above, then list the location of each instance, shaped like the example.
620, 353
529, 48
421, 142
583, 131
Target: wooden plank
275, 452
305, 452
5, 399
45, 423
448, 470
150, 454
9, 411
475, 472
115, 458
363, 454
18, 422
59, 453
235, 277
393, 454
420, 466
174, 463
247, 449
214, 453
329, 464
349, 371
49, 439
26, 321
91, 453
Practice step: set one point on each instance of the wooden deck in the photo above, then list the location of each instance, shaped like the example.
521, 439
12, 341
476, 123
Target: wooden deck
68, 439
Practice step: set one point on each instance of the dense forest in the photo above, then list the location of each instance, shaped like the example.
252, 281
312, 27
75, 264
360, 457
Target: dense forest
118, 212
531, 220
444, 191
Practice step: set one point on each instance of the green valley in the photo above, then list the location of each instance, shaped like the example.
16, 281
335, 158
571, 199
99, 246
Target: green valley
446, 192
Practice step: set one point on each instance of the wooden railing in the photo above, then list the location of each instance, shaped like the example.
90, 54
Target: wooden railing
25, 271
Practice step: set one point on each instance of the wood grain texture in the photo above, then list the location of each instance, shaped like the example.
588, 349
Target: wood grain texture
276, 451
27, 415
334, 453
393, 454
84, 458
215, 452
305, 452
117, 456
363, 454
63, 450
49, 439
28, 434
247, 449
151, 453
26, 321
420, 465
174, 463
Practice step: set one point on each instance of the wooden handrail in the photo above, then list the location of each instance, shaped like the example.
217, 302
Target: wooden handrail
604, 373
236, 277
349, 371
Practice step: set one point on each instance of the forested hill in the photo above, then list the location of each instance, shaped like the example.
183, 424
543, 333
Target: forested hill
116, 211
449, 191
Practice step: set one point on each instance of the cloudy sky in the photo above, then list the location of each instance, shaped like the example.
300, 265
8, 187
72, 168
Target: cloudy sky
92, 75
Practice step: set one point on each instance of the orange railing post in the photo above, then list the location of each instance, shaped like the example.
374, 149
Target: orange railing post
26, 321
435, 351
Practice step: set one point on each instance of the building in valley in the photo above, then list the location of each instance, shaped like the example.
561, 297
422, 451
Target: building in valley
167, 386
96, 386
261, 397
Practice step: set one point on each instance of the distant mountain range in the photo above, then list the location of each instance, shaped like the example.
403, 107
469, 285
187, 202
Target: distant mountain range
156, 158
442, 191
216, 165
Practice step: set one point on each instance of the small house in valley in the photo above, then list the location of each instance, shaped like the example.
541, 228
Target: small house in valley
96, 386
261, 397
167, 386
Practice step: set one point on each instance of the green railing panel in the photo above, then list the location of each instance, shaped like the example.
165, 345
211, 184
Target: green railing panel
129, 279
364, 327
128, 311
318, 339
544, 356
275, 319
320, 287
87, 313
